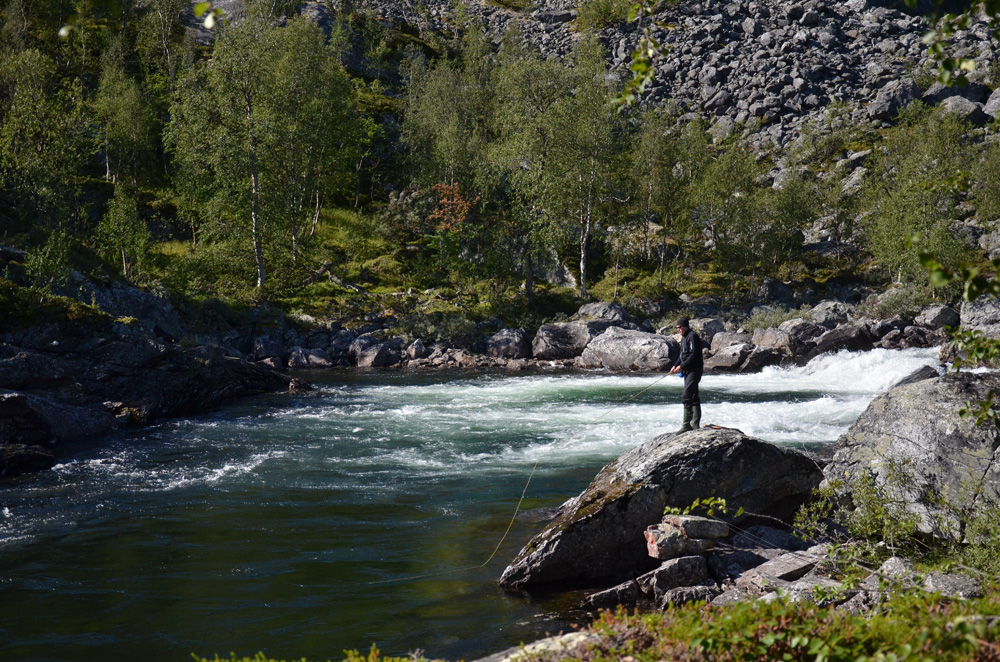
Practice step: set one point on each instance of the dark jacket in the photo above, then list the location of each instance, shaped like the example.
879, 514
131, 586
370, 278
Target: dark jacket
690, 360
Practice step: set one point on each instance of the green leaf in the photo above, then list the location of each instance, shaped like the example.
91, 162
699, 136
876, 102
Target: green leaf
201, 7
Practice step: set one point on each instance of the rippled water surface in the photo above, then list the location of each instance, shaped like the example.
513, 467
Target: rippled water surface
359, 513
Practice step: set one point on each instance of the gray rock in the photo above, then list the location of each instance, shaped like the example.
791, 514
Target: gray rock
777, 340
937, 317
992, 107
728, 564
509, 344
683, 595
966, 110
599, 533
919, 375
416, 350
693, 526
707, 327
602, 310
360, 344
683, 571
760, 358
785, 568
566, 340
845, 336
728, 338
803, 332
626, 594
982, 315
267, 347
773, 291
767, 537
933, 465
892, 98
301, 358
624, 349
953, 585
729, 359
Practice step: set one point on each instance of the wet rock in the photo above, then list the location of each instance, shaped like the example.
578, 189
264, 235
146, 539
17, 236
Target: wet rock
626, 594
18, 459
34, 420
762, 357
846, 336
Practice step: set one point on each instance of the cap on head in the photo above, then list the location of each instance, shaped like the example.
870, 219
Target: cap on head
683, 321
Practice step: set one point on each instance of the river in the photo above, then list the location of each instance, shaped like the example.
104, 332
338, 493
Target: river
359, 513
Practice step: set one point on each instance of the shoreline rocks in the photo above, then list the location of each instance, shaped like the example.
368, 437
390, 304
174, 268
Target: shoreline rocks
598, 535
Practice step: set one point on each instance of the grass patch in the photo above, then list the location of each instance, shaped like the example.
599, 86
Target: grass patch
24, 307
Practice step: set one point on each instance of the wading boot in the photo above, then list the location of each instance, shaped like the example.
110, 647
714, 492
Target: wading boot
696, 417
687, 420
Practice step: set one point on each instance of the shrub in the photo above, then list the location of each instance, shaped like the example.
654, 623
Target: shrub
764, 317
597, 14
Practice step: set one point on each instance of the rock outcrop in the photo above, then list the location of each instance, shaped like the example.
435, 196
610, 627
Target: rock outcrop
913, 447
599, 534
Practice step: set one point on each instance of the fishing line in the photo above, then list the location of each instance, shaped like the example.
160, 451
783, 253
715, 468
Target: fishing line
517, 508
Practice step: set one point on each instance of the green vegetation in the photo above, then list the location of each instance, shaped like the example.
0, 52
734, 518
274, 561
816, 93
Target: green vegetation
912, 626
432, 177
373, 655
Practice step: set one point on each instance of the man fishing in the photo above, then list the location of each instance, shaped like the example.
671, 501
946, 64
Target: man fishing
690, 364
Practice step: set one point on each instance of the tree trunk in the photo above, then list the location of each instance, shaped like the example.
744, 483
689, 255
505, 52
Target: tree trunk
315, 222
258, 247
529, 277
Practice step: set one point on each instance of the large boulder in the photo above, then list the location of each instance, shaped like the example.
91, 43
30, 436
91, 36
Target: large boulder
381, 355
566, 340
831, 313
914, 449
509, 344
624, 349
846, 336
599, 535
982, 315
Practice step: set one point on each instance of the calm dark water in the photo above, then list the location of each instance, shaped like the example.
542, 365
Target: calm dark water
357, 514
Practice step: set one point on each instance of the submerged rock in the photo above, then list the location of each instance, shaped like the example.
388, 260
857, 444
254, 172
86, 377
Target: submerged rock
599, 535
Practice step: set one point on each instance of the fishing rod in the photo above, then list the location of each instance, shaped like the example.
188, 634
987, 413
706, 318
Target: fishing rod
520, 501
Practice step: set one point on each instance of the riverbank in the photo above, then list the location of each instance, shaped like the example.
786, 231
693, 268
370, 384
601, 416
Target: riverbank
112, 356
